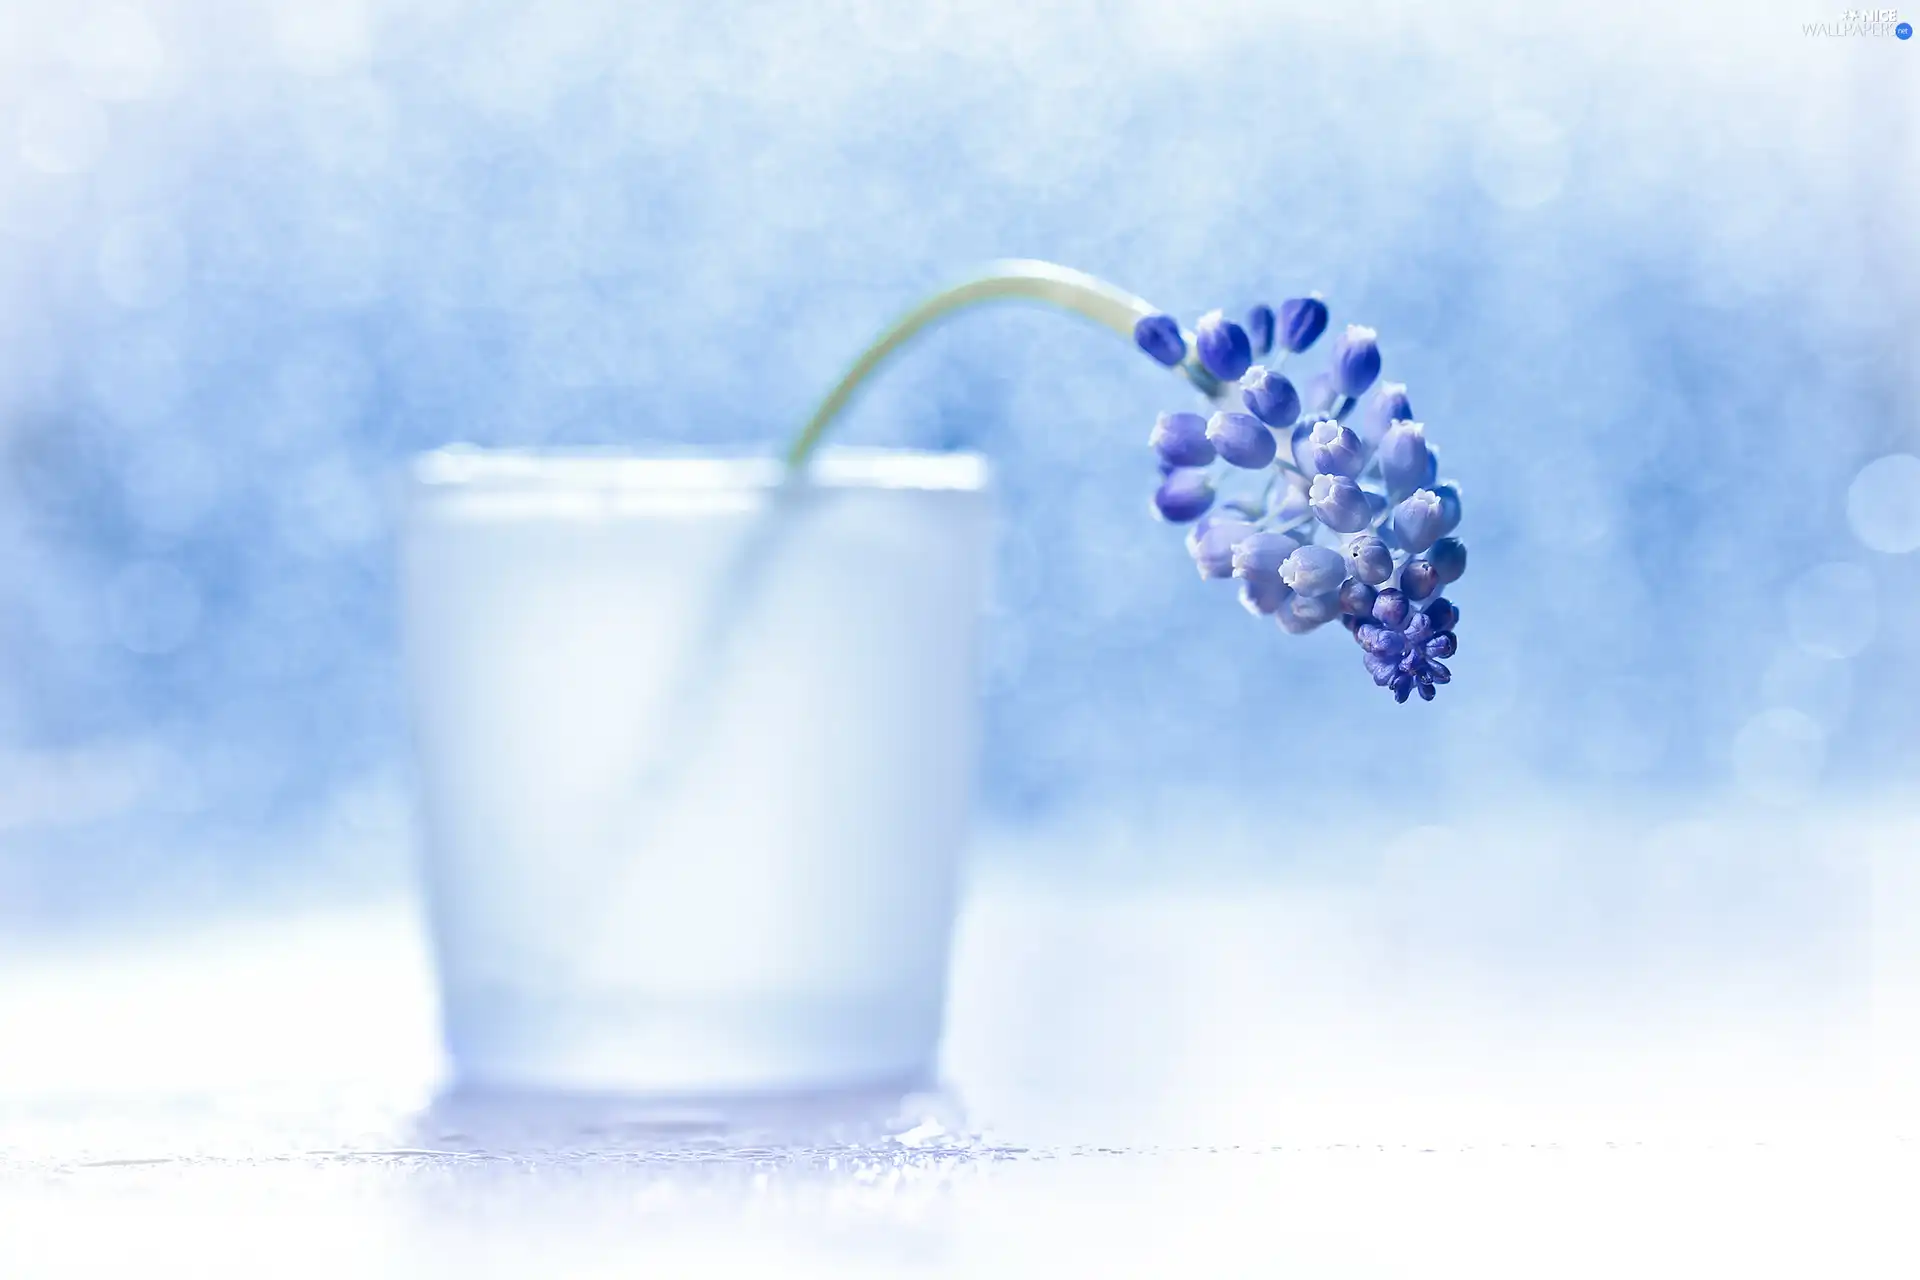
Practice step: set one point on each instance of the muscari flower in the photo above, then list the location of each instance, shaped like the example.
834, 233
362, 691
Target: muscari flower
1298, 614
1334, 450
1449, 559
1263, 597
1314, 609
1183, 495
1346, 511
1269, 397
1391, 608
1449, 495
1223, 346
1369, 559
1388, 406
1211, 541
1339, 504
1356, 359
1356, 598
1260, 322
1259, 556
1405, 460
1241, 439
1368, 487
1314, 570
1408, 658
1302, 321
1181, 440
1256, 562
1300, 448
1419, 579
1288, 503
1418, 520
1159, 336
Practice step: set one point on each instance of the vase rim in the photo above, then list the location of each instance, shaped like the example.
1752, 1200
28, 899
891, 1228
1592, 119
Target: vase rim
689, 469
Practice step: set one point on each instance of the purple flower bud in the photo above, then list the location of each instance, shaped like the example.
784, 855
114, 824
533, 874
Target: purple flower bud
1300, 614
1222, 346
1398, 529
1382, 642
1369, 560
1184, 495
1448, 557
1356, 359
1260, 328
1210, 542
1302, 321
1388, 406
1356, 598
1322, 390
1335, 450
1404, 456
1314, 609
1417, 520
1338, 503
1264, 596
1181, 440
1269, 397
1419, 579
1391, 609
1449, 495
1242, 439
1300, 448
1288, 503
1259, 556
1159, 336
1314, 571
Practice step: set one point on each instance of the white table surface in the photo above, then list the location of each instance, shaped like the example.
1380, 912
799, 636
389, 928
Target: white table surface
1164, 1081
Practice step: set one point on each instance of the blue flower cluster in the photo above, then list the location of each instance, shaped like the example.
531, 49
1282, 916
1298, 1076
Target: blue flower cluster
1322, 507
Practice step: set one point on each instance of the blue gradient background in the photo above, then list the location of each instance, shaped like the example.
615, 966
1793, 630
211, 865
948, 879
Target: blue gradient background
1649, 274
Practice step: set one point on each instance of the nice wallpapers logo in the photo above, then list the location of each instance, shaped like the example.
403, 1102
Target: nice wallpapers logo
1863, 22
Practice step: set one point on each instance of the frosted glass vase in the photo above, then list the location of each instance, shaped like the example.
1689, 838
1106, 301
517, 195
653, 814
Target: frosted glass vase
695, 747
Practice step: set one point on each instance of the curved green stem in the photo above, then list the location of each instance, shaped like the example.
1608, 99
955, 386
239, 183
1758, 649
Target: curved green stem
1018, 280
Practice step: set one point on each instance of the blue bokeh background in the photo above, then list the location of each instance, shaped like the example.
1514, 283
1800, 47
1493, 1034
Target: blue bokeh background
1648, 272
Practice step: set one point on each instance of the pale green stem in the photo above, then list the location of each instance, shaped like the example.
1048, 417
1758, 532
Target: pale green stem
1011, 281
687, 715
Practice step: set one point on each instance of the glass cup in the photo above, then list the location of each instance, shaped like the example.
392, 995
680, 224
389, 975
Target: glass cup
695, 745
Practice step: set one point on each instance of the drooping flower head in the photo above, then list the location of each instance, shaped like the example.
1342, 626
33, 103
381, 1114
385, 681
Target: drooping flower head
1322, 503
1316, 492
